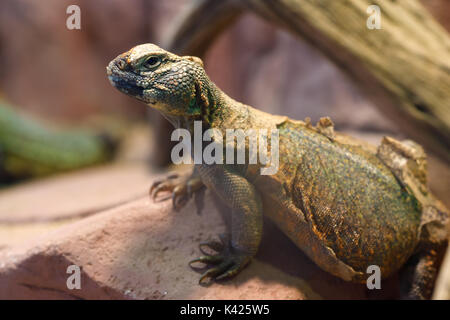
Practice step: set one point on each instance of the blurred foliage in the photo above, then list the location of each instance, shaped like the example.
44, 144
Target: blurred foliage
30, 148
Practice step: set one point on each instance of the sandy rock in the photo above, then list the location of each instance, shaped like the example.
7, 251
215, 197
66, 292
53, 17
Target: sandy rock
140, 250
73, 194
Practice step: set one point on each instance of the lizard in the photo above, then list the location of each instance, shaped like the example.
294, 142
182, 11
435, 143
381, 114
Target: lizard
28, 149
345, 203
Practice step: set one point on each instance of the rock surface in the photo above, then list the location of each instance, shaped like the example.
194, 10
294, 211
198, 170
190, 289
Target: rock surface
140, 249
77, 194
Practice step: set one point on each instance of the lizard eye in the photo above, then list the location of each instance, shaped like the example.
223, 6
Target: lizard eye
152, 62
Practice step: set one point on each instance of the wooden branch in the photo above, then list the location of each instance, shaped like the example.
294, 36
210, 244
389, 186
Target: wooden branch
200, 25
404, 67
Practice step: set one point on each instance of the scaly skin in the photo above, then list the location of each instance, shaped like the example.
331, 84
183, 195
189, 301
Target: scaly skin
332, 195
27, 149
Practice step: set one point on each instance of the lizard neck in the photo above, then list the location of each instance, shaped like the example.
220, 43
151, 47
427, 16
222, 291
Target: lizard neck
216, 109
223, 112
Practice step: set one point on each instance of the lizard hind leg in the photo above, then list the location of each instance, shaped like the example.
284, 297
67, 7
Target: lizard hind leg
419, 274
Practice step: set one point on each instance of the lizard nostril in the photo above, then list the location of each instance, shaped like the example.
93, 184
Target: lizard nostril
121, 64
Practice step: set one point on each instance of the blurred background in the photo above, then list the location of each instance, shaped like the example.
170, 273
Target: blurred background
58, 75
58, 113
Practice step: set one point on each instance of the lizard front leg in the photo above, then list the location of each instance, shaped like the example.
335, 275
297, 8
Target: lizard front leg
234, 252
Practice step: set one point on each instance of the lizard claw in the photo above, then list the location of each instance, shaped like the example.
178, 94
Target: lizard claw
182, 189
226, 264
214, 245
217, 246
165, 184
214, 273
179, 197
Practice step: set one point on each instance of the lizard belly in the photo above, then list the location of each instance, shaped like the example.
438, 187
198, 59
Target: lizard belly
290, 220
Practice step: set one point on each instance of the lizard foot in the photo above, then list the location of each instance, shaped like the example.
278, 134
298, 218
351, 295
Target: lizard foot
182, 189
227, 263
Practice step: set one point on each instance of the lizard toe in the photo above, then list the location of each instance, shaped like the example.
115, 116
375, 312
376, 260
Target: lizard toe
212, 273
227, 263
179, 197
231, 272
213, 245
207, 259
162, 184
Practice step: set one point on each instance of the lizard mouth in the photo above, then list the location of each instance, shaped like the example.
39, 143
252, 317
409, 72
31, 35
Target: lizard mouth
125, 86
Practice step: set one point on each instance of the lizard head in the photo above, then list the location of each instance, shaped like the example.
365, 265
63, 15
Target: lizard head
167, 82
